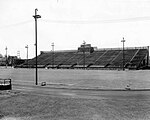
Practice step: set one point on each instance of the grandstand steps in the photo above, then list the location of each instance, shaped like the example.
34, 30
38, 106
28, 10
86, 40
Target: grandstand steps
75, 59
91, 58
96, 62
115, 58
134, 55
63, 57
141, 54
81, 62
105, 58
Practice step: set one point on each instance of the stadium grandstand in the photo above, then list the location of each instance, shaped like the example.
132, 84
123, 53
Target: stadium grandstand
87, 57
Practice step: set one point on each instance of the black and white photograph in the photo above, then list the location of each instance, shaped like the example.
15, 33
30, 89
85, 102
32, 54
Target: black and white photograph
74, 60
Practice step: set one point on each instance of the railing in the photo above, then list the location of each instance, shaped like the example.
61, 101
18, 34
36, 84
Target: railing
126, 48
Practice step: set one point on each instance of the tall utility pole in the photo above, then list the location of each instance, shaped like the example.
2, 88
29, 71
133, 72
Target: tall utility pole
27, 54
36, 17
123, 56
53, 55
84, 54
6, 56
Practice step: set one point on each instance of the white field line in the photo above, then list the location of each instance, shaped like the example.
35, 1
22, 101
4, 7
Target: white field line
22, 81
48, 83
65, 84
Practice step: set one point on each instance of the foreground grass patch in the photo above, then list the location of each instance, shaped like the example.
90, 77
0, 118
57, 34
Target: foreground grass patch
36, 107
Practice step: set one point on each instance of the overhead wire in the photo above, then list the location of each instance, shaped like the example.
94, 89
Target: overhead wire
134, 19
97, 21
16, 24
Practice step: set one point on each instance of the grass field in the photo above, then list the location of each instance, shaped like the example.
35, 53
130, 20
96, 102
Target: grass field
30, 106
85, 78
96, 105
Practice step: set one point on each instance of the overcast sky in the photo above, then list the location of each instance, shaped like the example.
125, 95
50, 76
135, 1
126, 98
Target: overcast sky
101, 23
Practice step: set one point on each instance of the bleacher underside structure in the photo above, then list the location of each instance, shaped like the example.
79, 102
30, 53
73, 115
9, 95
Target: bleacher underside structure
87, 57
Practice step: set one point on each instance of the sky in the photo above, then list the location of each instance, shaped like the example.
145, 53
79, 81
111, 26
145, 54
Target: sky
67, 23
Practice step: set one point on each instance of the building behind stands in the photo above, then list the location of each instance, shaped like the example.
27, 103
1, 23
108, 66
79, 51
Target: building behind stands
88, 57
11, 61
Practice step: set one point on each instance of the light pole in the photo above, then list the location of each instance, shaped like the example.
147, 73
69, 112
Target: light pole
18, 54
36, 17
53, 55
123, 56
27, 54
84, 54
6, 56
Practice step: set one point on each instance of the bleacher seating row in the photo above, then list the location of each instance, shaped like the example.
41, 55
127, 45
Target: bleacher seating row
106, 58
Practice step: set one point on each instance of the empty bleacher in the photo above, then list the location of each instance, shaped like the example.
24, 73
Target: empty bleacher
139, 57
104, 58
92, 57
118, 61
107, 57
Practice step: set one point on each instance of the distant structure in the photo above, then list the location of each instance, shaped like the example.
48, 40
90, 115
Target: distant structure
2, 60
14, 60
86, 48
11, 61
88, 57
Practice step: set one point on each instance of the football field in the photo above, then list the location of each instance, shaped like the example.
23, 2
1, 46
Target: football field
103, 79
